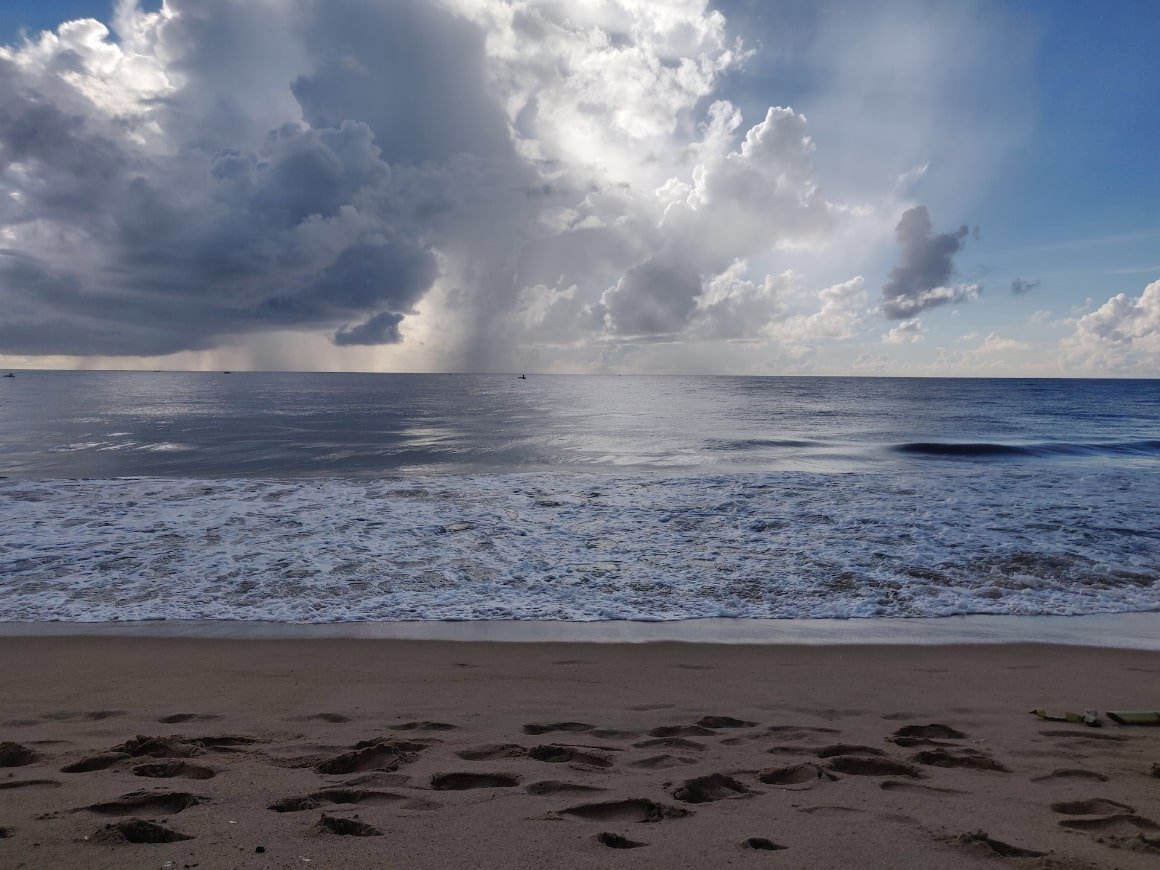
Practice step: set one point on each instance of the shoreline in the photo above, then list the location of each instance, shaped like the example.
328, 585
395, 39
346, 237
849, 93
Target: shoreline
1136, 631
361, 752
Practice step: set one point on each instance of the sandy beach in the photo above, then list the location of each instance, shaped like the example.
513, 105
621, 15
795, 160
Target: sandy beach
381, 753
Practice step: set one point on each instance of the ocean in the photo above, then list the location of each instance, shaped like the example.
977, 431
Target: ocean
321, 498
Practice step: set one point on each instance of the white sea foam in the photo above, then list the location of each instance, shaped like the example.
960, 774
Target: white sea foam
1021, 540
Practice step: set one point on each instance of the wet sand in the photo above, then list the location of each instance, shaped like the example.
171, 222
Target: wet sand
394, 753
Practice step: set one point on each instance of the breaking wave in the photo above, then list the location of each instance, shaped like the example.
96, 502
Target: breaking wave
1042, 450
582, 546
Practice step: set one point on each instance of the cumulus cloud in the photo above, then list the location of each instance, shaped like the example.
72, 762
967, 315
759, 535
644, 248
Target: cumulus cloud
482, 179
1019, 286
907, 332
926, 264
145, 213
1122, 335
737, 203
841, 313
995, 343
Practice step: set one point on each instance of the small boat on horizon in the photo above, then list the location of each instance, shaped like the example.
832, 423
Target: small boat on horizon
523, 377
10, 375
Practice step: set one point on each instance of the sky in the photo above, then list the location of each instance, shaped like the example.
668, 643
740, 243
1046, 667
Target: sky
655, 186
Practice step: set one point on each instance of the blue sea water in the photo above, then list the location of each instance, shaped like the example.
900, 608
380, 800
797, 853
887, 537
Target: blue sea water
325, 498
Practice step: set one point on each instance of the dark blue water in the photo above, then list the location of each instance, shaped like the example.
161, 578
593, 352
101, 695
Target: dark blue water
111, 424
321, 498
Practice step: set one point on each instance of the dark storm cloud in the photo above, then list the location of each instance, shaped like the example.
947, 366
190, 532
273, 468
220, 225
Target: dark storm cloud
236, 223
380, 329
920, 280
654, 298
226, 168
412, 72
363, 277
1021, 285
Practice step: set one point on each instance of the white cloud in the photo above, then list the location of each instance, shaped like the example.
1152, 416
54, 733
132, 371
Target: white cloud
466, 182
909, 305
842, 312
995, 343
1122, 335
907, 332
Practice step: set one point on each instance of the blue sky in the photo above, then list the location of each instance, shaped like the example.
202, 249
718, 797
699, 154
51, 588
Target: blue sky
1034, 124
20, 16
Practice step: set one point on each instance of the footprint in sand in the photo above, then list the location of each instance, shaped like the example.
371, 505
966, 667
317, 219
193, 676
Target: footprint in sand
378, 754
556, 753
934, 734
345, 827
831, 811
137, 831
858, 765
551, 787
425, 726
799, 732
537, 728
16, 755
294, 805
707, 789
1091, 807
671, 743
226, 742
662, 762
1071, 773
980, 841
162, 803
92, 716
846, 749
803, 774
613, 734
901, 785
961, 757
933, 731
465, 781
791, 749
1102, 815
368, 797
1124, 824
492, 751
178, 718
1084, 736
6, 784
682, 731
375, 778
95, 762
723, 722
616, 841
174, 768
640, 810
763, 844
1111, 823
333, 718
157, 747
